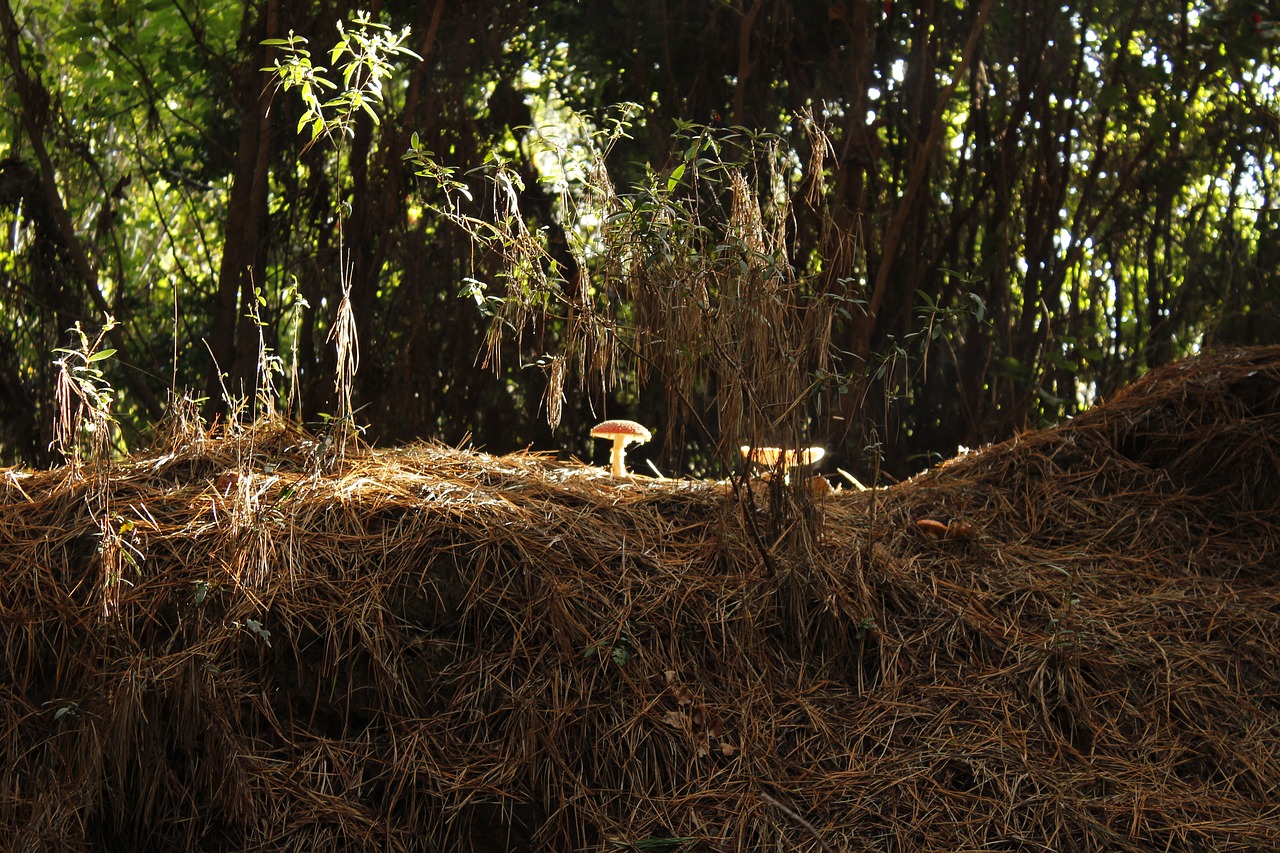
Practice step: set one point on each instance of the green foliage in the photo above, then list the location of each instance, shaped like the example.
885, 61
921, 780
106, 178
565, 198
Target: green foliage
618, 650
365, 50
957, 235
254, 627
85, 397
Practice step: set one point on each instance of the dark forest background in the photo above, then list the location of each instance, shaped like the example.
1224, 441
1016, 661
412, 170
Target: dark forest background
890, 229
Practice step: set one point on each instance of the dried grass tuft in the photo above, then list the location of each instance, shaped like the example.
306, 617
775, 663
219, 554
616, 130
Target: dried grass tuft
430, 648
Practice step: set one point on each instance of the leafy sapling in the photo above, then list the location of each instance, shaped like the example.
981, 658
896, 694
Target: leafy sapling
84, 396
364, 50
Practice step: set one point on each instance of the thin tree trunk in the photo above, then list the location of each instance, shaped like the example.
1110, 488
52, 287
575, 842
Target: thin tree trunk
745, 65
916, 179
246, 211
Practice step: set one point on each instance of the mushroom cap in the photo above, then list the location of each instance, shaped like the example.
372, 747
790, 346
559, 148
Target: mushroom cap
932, 528
770, 456
629, 431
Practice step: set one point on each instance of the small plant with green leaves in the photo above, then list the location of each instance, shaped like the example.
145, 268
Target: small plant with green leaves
254, 627
272, 367
364, 52
618, 649
64, 710
84, 397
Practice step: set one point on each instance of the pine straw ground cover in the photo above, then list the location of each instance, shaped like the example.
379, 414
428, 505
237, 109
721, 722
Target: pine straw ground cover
238, 643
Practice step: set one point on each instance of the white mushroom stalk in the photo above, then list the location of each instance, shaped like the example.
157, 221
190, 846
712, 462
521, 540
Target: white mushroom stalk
621, 433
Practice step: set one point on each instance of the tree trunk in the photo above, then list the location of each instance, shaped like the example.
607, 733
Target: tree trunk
229, 343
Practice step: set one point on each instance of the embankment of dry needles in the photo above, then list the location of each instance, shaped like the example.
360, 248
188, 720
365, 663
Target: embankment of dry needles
238, 642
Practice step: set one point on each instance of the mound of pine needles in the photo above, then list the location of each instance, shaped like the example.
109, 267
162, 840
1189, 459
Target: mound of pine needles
1068, 641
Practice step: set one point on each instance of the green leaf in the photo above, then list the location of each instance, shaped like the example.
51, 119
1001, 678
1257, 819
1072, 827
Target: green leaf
100, 355
676, 174
76, 32
979, 307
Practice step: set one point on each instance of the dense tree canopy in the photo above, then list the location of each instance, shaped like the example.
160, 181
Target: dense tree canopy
888, 228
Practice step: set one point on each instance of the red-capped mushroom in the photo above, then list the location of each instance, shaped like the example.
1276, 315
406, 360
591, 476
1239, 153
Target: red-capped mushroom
621, 433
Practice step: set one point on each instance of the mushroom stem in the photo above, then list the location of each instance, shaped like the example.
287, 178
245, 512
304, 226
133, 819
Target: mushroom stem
618, 456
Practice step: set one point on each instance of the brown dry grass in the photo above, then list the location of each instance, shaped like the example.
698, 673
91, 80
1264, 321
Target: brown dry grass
428, 648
